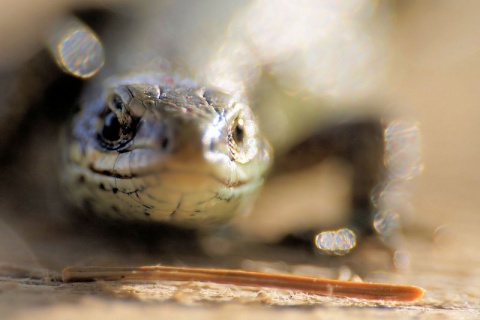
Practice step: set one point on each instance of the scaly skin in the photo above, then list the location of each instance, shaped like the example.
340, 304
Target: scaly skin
149, 147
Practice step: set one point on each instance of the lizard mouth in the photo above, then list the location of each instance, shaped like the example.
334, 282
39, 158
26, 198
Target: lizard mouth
164, 171
184, 197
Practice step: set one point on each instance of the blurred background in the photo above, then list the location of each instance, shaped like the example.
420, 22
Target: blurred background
423, 60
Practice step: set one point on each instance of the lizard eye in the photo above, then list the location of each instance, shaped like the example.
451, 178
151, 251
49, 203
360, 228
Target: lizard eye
118, 126
238, 131
243, 136
111, 130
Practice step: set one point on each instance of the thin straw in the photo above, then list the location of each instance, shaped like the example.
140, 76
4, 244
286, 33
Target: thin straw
311, 285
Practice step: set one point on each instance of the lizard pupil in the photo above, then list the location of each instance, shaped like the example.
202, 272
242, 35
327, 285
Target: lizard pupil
111, 128
239, 133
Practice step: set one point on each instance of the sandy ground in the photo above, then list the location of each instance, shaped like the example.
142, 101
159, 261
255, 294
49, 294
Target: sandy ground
435, 76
